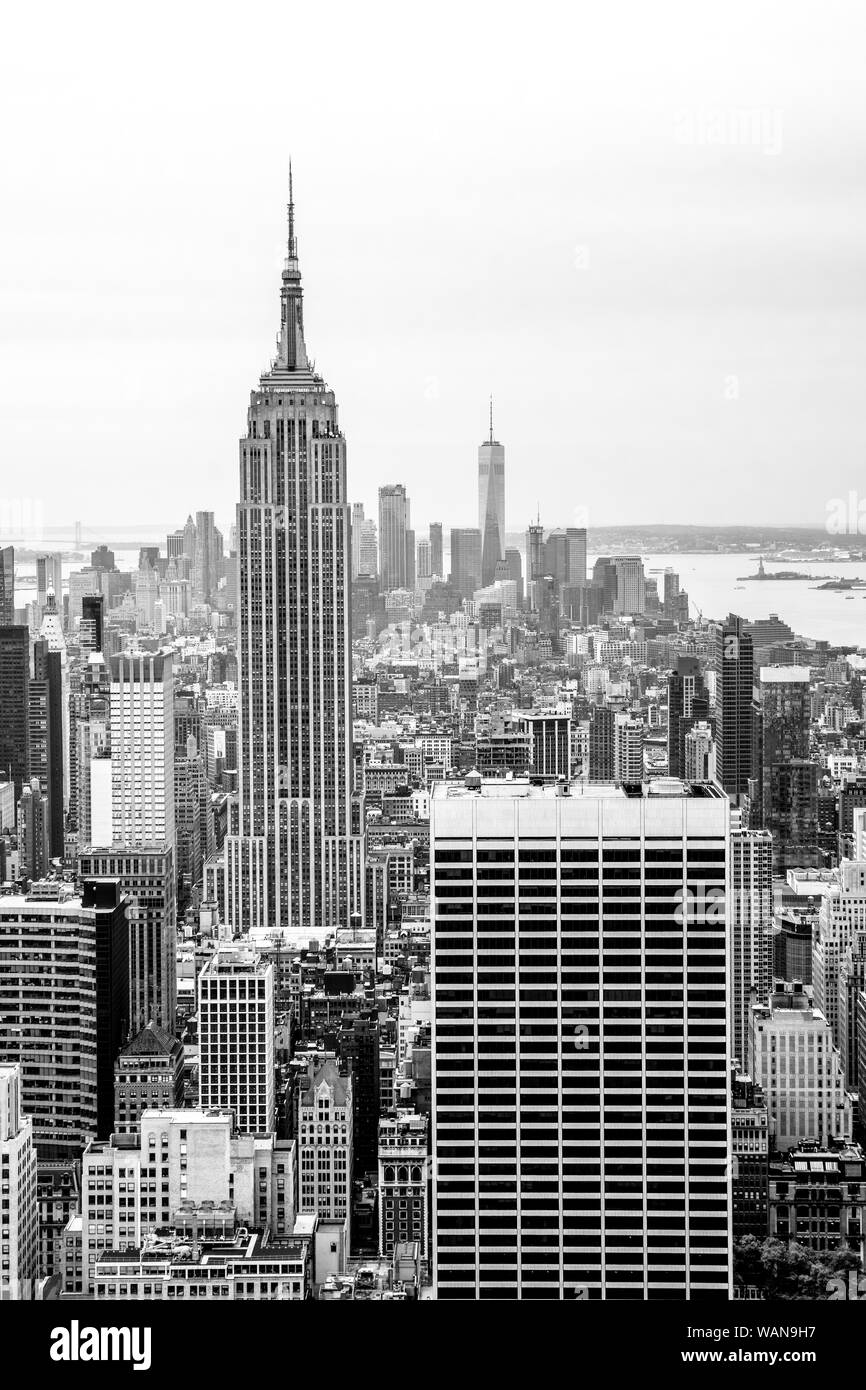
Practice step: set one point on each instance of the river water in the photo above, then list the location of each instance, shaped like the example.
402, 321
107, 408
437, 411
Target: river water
715, 587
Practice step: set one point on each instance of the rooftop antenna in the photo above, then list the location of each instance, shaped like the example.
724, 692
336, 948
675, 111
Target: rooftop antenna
293, 250
491, 419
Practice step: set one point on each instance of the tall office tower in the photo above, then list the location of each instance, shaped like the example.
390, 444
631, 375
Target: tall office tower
102, 558
630, 584
47, 749
20, 1210
142, 749
534, 563
34, 832
15, 705
688, 703
436, 561
191, 811
91, 632
51, 631
576, 550
670, 594
602, 744
359, 1048
512, 568
750, 1150
90, 753
424, 566
49, 579
792, 1057
357, 523
403, 1163
236, 1038
189, 542
174, 544
628, 735
787, 778
604, 572
7, 586
841, 919
146, 877
731, 657
586, 1105
393, 525
7, 807
698, 760
550, 743
750, 965
565, 557
410, 558
205, 559
325, 1140
146, 598
465, 559
291, 845
368, 552
851, 983
65, 1021
491, 504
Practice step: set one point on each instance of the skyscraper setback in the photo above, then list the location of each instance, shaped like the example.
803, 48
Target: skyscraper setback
288, 853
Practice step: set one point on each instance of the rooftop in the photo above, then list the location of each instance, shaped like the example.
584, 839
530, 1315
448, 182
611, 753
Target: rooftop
514, 788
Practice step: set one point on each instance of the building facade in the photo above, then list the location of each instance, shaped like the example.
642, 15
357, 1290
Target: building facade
580, 1045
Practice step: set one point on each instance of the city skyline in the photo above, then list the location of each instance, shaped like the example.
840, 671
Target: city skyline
425, 875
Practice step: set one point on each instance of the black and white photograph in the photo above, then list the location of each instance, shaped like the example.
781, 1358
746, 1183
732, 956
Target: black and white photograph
432, 725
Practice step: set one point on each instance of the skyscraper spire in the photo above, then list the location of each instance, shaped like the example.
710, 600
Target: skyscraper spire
293, 245
292, 353
491, 419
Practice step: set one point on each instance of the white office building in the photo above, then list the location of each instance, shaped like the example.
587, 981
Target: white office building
19, 1211
793, 1057
236, 1038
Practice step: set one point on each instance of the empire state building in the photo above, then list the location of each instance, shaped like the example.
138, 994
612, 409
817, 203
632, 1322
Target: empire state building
291, 856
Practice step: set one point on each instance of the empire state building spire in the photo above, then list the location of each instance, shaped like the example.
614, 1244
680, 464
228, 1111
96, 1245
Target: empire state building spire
292, 352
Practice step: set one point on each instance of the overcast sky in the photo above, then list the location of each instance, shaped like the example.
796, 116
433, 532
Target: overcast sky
641, 227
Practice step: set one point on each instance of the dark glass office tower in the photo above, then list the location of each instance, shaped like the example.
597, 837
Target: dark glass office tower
466, 559
436, 549
15, 705
601, 744
786, 778
105, 900
732, 658
7, 586
46, 737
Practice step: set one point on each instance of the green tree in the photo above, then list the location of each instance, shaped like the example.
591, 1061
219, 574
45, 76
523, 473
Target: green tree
786, 1271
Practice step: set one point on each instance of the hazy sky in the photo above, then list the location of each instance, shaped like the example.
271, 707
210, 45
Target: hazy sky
641, 227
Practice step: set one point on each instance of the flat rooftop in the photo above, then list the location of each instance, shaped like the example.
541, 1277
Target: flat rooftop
516, 788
